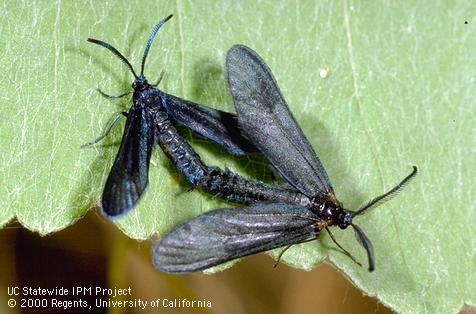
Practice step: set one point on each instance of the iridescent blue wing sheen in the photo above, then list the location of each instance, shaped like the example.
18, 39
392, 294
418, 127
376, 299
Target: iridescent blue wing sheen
222, 235
265, 119
129, 175
218, 126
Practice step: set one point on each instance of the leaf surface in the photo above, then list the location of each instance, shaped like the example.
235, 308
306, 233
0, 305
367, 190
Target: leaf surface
399, 91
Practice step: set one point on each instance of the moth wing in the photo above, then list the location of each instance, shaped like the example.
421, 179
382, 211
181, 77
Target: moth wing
225, 234
265, 119
218, 126
129, 174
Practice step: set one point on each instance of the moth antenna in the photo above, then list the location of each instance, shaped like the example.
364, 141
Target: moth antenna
387, 195
151, 38
114, 51
365, 242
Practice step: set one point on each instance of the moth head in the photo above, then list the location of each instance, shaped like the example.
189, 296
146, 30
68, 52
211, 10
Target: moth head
344, 219
140, 84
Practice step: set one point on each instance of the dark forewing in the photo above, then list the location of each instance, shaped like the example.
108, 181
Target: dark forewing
218, 126
266, 120
225, 234
129, 174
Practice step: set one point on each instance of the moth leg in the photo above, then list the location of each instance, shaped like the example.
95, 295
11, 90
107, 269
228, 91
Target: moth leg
192, 188
108, 129
287, 247
344, 251
281, 254
161, 76
111, 96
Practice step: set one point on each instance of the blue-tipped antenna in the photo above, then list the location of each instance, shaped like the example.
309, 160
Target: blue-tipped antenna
387, 195
146, 51
114, 51
151, 38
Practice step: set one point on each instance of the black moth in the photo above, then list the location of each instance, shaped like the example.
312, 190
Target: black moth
273, 220
153, 109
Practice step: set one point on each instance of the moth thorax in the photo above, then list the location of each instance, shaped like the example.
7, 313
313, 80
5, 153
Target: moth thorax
329, 211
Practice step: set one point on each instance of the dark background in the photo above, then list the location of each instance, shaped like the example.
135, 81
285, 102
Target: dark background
93, 252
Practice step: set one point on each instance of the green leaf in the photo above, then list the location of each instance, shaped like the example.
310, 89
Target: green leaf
399, 92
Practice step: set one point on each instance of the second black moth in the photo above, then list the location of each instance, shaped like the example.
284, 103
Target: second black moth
278, 216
